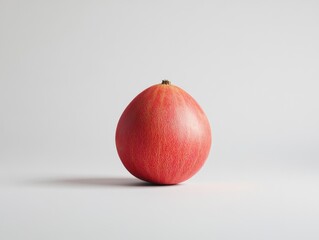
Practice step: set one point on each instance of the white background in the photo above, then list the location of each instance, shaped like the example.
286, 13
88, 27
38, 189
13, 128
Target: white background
69, 68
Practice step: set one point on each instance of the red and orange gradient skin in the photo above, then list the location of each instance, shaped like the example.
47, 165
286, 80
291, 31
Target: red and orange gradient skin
163, 135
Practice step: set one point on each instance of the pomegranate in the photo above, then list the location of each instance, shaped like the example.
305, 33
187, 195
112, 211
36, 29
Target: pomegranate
163, 135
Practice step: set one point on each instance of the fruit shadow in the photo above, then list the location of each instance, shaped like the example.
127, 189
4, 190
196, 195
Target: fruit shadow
108, 182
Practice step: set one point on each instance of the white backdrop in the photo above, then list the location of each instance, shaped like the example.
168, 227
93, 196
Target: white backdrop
69, 68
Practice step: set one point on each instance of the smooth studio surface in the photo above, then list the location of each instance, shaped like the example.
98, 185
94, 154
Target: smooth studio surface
69, 68
86, 204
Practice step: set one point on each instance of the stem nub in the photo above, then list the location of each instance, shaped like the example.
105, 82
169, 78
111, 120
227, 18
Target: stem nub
166, 82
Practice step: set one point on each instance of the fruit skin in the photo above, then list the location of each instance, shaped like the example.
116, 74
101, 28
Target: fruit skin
163, 135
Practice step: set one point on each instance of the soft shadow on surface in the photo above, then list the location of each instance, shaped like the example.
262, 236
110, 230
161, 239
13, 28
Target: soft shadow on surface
94, 182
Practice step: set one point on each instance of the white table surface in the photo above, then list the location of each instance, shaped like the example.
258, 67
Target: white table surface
92, 203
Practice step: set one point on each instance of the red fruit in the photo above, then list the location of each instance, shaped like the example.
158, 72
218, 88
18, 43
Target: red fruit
163, 136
